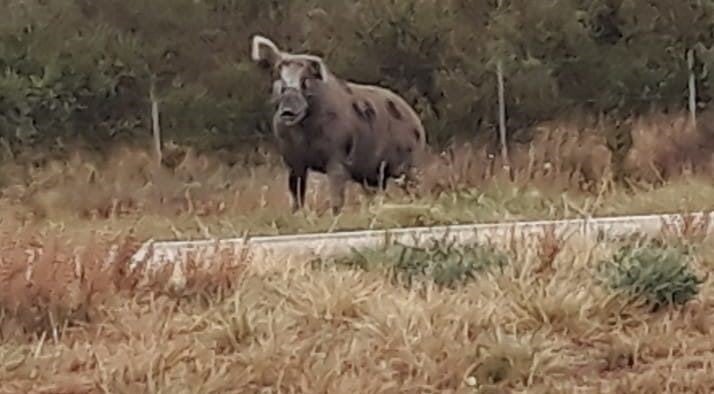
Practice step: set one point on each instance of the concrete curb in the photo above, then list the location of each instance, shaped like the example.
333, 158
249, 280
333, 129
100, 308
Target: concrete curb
155, 254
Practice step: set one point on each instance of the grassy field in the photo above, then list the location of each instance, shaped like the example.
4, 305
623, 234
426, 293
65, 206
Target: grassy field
533, 316
565, 171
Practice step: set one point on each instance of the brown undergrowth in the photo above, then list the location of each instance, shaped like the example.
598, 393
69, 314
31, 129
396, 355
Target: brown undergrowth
558, 169
50, 282
540, 323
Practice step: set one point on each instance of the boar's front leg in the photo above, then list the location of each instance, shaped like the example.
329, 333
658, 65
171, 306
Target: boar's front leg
297, 182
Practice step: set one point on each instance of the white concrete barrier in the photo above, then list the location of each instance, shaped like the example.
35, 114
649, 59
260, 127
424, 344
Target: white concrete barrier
154, 254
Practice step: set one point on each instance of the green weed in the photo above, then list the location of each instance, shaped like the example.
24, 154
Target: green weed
446, 264
658, 274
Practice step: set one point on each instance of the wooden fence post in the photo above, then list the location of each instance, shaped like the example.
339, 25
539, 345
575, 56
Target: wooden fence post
156, 128
692, 88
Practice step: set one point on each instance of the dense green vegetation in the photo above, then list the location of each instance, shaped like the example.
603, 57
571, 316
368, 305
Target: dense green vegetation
85, 68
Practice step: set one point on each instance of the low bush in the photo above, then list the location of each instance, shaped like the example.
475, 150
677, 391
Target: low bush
658, 274
57, 281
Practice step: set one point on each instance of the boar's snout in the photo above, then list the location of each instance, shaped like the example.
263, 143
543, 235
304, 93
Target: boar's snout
292, 107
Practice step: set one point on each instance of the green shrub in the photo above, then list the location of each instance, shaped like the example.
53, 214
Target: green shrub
85, 67
445, 264
657, 274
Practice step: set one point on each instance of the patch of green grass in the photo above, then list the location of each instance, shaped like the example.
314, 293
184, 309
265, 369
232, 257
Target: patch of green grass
446, 264
658, 274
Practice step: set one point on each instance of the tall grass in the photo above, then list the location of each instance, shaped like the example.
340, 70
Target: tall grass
559, 170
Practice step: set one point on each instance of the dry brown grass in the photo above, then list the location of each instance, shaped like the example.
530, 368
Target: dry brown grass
565, 169
541, 325
74, 319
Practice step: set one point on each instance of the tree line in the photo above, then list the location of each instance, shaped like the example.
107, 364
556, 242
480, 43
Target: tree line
89, 68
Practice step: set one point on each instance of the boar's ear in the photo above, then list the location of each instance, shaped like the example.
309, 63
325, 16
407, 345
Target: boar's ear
265, 52
317, 67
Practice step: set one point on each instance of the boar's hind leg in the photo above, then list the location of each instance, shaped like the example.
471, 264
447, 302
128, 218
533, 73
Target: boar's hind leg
297, 182
337, 176
383, 175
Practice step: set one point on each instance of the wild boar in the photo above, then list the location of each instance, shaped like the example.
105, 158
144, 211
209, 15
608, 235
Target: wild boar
348, 131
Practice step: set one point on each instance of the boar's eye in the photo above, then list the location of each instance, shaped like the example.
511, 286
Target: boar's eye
278, 87
308, 85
